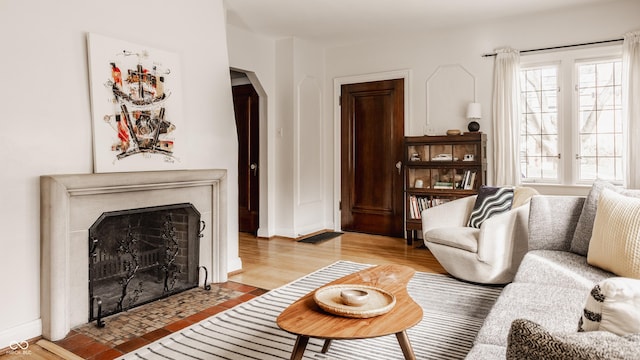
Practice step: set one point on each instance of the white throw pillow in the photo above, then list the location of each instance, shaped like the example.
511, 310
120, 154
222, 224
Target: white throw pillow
615, 241
613, 305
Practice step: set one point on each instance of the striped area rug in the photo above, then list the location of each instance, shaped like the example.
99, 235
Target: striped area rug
453, 314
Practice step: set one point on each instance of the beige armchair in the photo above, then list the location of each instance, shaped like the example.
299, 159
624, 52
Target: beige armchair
489, 255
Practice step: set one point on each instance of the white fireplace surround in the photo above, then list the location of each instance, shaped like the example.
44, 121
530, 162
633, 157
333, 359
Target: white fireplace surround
70, 204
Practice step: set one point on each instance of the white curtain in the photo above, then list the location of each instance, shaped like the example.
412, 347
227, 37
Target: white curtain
631, 104
506, 115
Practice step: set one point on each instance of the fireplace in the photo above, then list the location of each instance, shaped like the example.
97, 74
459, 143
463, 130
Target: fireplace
70, 206
140, 255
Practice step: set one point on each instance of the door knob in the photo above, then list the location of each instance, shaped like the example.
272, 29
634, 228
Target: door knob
399, 167
254, 167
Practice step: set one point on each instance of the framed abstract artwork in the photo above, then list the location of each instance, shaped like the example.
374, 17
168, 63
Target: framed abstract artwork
136, 105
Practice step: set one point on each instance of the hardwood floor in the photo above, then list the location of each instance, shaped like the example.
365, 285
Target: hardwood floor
271, 263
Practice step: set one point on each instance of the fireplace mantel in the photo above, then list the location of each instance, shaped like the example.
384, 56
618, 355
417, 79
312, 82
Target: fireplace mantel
71, 203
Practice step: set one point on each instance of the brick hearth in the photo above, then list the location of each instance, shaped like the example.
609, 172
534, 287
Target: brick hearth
127, 331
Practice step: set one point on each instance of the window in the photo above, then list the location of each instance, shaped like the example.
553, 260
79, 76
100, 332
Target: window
571, 137
600, 121
539, 123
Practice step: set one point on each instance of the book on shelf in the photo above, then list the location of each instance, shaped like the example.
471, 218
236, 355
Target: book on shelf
438, 201
443, 185
468, 180
416, 205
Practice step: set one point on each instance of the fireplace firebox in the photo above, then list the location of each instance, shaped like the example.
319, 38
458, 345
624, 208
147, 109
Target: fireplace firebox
141, 255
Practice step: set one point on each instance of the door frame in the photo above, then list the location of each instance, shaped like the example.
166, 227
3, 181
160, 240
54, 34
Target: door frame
267, 183
337, 133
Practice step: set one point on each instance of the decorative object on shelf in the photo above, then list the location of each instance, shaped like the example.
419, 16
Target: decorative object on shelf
443, 157
418, 184
474, 112
454, 132
415, 157
469, 157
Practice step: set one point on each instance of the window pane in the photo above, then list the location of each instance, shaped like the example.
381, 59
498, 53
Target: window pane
619, 146
605, 98
606, 121
550, 145
533, 124
539, 133
606, 145
550, 123
549, 167
549, 101
588, 144
606, 168
587, 99
600, 121
587, 74
533, 102
619, 171
533, 145
604, 74
587, 121
618, 96
523, 168
618, 125
532, 80
534, 171
549, 79
588, 168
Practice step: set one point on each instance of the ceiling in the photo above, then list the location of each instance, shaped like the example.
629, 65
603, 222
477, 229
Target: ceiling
345, 21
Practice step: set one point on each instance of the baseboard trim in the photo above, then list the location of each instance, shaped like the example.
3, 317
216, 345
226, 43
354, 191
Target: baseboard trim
20, 333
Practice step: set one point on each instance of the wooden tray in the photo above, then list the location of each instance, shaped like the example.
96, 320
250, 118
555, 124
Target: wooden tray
380, 301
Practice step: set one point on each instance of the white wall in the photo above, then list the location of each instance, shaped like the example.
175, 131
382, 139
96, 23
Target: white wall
291, 73
255, 54
309, 140
46, 121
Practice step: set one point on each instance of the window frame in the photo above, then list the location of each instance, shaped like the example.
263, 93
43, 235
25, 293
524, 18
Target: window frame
560, 131
567, 102
576, 121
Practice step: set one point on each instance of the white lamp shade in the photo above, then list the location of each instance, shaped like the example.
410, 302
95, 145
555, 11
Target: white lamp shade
474, 111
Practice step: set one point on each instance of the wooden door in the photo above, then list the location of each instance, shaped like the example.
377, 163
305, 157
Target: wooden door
371, 149
245, 103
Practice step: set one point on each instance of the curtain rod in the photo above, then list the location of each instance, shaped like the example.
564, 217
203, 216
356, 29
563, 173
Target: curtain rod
562, 46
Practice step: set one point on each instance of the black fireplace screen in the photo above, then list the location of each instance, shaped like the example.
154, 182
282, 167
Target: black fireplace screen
140, 255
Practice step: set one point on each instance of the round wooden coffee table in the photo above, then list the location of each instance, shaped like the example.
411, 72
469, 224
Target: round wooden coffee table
305, 319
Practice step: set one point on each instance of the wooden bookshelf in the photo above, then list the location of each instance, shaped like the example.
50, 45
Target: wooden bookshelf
439, 169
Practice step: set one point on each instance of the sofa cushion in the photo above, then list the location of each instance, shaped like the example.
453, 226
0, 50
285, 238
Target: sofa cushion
552, 221
557, 308
613, 305
490, 201
465, 238
564, 268
615, 242
584, 228
528, 340
522, 195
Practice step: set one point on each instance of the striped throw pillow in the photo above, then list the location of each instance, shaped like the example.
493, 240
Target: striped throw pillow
490, 201
613, 305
